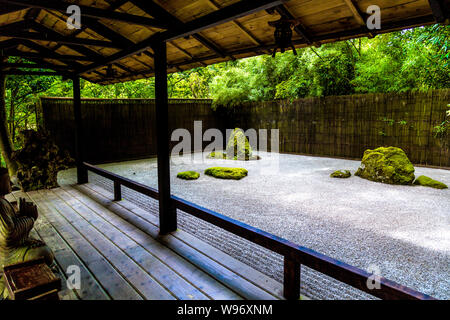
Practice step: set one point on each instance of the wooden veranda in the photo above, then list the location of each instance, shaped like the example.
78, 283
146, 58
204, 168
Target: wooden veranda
124, 40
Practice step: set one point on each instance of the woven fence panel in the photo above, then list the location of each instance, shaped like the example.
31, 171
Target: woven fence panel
341, 126
122, 129
345, 126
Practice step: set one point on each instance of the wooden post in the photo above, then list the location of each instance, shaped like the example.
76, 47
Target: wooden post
291, 285
82, 174
167, 211
117, 191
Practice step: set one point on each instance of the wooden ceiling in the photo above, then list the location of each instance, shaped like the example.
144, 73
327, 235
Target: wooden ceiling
114, 42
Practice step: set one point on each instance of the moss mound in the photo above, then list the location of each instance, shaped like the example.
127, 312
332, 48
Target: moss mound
343, 174
386, 165
238, 147
188, 175
428, 182
227, 173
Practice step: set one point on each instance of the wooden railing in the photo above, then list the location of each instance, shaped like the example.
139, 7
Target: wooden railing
295, 256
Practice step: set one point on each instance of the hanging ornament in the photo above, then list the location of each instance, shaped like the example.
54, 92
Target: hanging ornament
110, 72
283, 35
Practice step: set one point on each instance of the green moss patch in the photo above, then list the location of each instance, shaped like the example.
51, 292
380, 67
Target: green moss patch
428, 182
188, 175
227, 173
388, 165
343, 174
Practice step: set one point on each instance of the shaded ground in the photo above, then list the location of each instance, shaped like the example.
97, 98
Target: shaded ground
403, 231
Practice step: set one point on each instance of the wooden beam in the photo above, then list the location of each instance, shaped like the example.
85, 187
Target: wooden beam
218, 17
356, 12
46, 53
35, 66
358, 15
6, 9
32, 73
8, 44
79, 48
82, 174
155, 10
247, 33
54, 56
88, 11
226, 14
167, 211
102, 30
19, 25
58, 38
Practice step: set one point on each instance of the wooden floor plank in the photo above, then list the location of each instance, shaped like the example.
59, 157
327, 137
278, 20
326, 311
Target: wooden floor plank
270, 285
111, 280
132, 272
184, 268
231, 279
100, 218
57, 247
65, 293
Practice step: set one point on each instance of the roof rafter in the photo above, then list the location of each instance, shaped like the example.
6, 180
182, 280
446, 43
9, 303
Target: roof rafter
155, 10
16, 65
218, 17
100, 29
359, 16
33, 73
32, 55
7, 8
247, 33
57, 38
88, 11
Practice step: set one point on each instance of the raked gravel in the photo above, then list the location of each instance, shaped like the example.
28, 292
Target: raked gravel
403, 231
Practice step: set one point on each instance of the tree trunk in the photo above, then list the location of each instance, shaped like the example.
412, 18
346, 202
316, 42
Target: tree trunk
5, 141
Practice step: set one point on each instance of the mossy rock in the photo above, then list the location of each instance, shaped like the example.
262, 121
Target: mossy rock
428, 182
188, 175
39, 161
343, 174
387, 165
238, 147
227, 173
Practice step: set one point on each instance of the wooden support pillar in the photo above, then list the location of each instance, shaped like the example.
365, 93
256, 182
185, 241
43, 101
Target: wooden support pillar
167, 211
291, 285
82, 174
117, 191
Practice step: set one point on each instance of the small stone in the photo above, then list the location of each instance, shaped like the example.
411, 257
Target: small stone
343, 174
